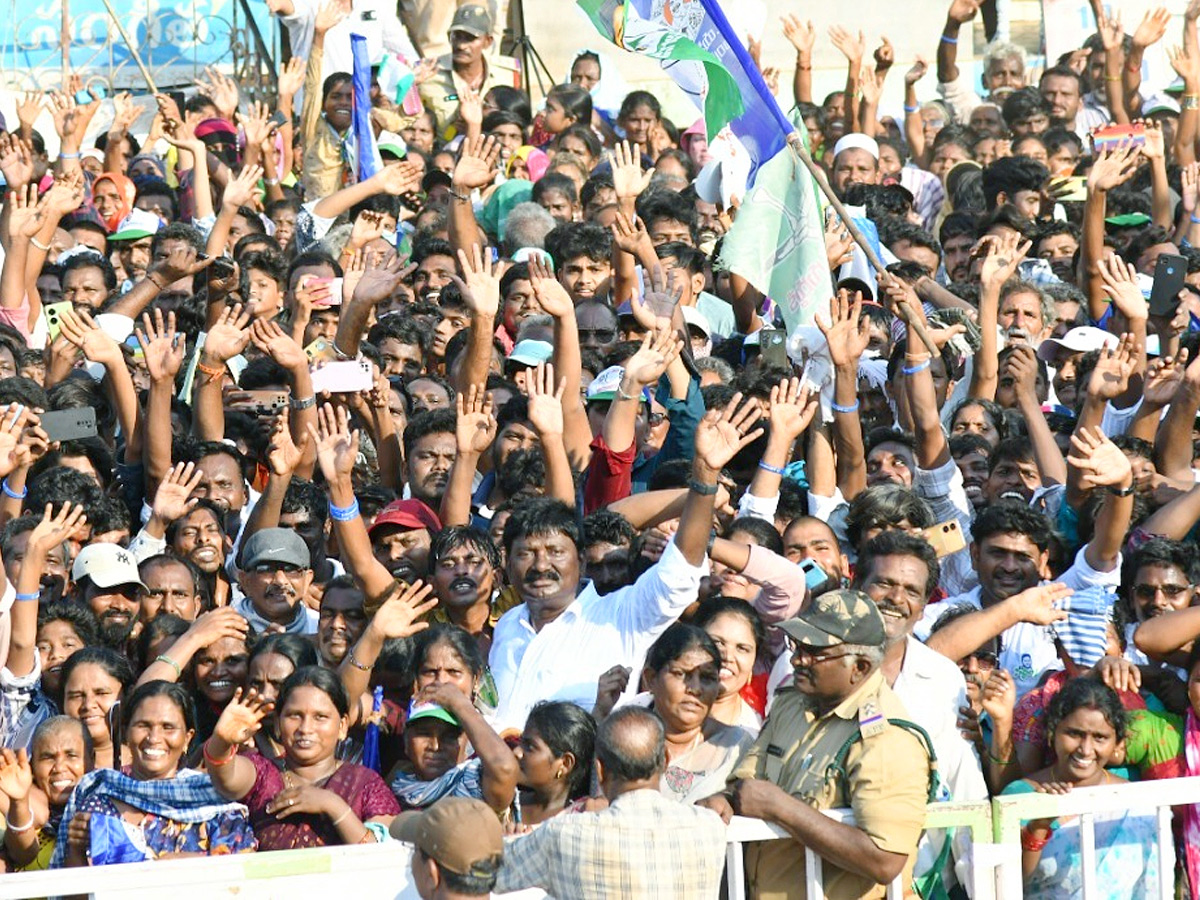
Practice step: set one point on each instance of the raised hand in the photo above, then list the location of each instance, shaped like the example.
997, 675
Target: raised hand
399, 179
1112, 168
291, 78
800, 34
1164, 377
330, 14
851, 46
476, 166
629, 178
65, 195
242, 717
630, 236
885, 56
1152, 27
97, 346
551, 296
256, 123
229, 335
1036, 604
848, 331
400, 615
545, 403
1190, 175
963, 11
999, 696
337, 445
870, 86
791, 409
1120, 281
29, 108
481, 282
659, 349
1154, 146
722, 433
173, 499
240, 191
368, 226
221, 90
1022, 365
378, 282
1110, 377
25, 214
181, 261
470, 108
475, 428
16, 162
16, 776
663, 293
1101, 462
283, 456
609, 689
919, 68
162, 347
271, 339
125, 113
11, 431
1002, 257
1112, 32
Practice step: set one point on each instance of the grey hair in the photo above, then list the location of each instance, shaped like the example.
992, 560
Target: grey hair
715, 364
541, 320
873, 655
527, 225
1020, 286
998, 50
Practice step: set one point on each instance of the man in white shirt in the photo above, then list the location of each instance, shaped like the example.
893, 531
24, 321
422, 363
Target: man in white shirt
375, 20
565, 635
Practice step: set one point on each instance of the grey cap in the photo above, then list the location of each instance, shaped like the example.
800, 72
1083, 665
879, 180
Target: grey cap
275, 545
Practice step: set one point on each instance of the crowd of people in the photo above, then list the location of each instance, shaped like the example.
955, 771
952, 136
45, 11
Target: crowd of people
474, 502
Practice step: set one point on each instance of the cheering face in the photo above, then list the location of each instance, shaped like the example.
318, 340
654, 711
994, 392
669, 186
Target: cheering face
157, 736
267, 673
545, 571
1008, 564
341, 623
463, 578
310, 726
897, 585
735, 642
339, 105
1160, 588
220, 669
59, 758
1084, 743
200, 538
88, 695
57, 639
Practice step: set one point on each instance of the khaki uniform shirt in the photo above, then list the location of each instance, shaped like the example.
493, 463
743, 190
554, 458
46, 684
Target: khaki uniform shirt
888, 777
441, 92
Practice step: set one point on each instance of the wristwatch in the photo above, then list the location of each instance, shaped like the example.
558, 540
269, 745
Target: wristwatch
1121, 492
306, 403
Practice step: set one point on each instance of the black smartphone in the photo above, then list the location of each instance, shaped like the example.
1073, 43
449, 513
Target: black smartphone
69, 424
773, 347
1169, 273
278, 120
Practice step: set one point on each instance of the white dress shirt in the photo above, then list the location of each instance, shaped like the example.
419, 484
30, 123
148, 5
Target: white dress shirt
565, 659
376, 20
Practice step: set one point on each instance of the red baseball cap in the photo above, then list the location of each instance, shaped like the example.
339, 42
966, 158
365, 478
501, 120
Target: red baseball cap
410, 514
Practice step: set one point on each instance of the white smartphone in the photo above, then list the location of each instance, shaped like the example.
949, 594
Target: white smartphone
343, 377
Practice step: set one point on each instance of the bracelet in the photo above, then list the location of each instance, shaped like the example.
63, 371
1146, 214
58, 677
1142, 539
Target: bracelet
1112, 77
1121, 492
1031, 843
306, 403
70, 155
9, 492
912, 109
919, 367
19, 830
210, 371
704, 490
339, 352
45, 248
270, 182
36, 595
213, 761
624, 396
949, 40
344, 513
461, 198
997, 760
804, 68
353, 660
767, 467
1194, 219
163, 658
338, 820
844, 409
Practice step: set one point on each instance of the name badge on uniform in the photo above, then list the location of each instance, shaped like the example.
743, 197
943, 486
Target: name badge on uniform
870, 720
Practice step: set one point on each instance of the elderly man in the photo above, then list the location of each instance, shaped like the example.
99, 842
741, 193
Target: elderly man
458, 844
274, 576
831, 742
644, 845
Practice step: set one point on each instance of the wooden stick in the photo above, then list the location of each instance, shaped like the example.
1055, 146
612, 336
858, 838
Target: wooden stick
137, 57
818, 175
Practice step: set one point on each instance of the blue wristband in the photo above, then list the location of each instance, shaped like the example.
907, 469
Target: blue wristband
767, 467
844, 409
949, 40
28, 597
1195, 219
9, 492
912, 109
69, 155
919, 367
344, 513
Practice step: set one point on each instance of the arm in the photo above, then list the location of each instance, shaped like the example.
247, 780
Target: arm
853, 48
1103, 465
481, 292
225, 339
1051, 465
475, 170
1110, 170
498, 766
98, 347
1175, 519
16, 780
1151, 30
282, 458
475, 430
210, 627
999, 265
232, 775
961, 12
1161, 208
163, 352
791, 411
555, 301
968, 633
747, 301
273, 341
238, 192
1112, 35
847, 336
397, 179
1161, 636
546, 416
802, 36
1187, 64
914, 127
375, 286
1173, 449
124, 115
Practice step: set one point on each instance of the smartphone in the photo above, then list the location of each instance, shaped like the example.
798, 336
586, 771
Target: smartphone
773, 347
222, 267
343, 377
263, 403
276, 121
69, 424
814, 575
320, 350
53, 315
1072, 189
945, 537
1169, 272
1109, 137
335, 293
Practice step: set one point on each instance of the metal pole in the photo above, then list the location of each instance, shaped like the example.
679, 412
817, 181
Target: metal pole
65, 40
818, 174
137, 57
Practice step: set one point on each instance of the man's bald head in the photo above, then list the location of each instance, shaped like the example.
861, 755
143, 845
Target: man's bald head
631, 746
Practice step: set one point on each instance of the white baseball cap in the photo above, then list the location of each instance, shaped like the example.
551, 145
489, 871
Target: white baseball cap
107, 565
1083, 339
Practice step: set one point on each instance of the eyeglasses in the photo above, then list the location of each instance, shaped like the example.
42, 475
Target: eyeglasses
657, 419
1149, 591
985, 659
814, 657
270, 568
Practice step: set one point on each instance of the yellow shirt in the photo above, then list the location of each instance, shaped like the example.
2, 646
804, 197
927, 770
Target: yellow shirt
441, 92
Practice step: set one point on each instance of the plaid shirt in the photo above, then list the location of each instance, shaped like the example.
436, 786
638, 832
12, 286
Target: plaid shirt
644, 845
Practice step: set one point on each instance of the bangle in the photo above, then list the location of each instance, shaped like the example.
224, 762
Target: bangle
353, 660
339, 819
213, 761
270, 182
1031, 843
767, 467
624, 396
912, 109
344, 513
461, 198
919, 367
1112, 77
1121, 492
163, 658
45, 248
844, 409
804, 68
997, 760
949, 40
1190, 101
19, 830
1195, 220
69, 155
211, 371
704, 490
9, 492
339, 352
36, 595
306, 403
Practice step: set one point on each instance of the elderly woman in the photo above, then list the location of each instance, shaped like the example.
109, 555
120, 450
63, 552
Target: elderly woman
156, 810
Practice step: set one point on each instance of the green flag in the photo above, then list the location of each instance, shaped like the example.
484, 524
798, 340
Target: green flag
777, 242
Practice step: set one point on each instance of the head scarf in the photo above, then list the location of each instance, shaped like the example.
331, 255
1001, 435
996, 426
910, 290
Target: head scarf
221, 138
159, 166
126, 194
536, 162
494, 214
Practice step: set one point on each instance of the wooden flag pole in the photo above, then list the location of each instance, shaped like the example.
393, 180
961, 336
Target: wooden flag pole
137, 57
818, 174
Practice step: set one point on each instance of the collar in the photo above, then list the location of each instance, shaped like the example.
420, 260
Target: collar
848, 708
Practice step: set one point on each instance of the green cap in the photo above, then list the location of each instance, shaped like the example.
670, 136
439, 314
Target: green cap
430, 711
838, 617
1128, 220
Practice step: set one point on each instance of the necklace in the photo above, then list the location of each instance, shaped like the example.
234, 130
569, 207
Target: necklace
291, 779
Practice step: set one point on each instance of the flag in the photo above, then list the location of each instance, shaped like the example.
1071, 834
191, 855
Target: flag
704, 56
366, 157
370, 753
777, 242
398, 82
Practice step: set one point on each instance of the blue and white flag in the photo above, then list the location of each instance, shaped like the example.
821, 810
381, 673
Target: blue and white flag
366, 157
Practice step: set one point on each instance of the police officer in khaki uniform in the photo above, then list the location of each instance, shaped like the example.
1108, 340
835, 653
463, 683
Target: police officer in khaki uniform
828, 744
468, 65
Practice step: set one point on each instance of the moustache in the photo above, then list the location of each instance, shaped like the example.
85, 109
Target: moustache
548, 575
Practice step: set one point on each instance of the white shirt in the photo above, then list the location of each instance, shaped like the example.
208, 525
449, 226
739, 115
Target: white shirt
565, 659
1027, 650
375, 20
